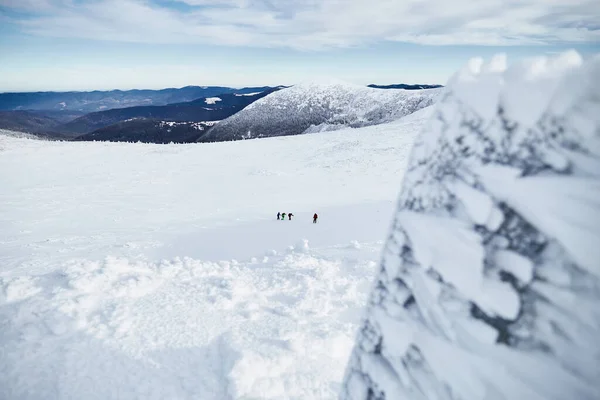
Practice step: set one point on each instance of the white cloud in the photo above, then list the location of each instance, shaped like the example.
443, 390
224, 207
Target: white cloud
31, 5
317, 24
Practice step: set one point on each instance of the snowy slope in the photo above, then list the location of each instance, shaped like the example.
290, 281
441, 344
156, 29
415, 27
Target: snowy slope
141, 271
315, 107
489, 284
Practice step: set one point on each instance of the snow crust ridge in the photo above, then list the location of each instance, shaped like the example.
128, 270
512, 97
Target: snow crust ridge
490, 276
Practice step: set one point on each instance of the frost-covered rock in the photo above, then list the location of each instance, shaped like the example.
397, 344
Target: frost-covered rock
318, 107
489, 284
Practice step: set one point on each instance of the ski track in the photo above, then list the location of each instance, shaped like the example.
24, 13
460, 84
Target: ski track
134, 271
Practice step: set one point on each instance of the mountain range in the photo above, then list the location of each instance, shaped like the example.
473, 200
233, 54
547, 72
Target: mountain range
104, 100
178, 115
213, 108
70, 124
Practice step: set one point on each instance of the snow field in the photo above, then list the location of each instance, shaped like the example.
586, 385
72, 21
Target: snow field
278, 327
137, 271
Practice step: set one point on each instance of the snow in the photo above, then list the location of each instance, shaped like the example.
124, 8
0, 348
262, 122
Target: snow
320, 107
479, 206
143, 271
489, 282
510, 261
439, 242
212, 100
247, 94
537, 199
536, 80
196, 125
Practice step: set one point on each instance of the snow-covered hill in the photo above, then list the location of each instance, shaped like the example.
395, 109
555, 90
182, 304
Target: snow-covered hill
142, 271
489, 287
314, 107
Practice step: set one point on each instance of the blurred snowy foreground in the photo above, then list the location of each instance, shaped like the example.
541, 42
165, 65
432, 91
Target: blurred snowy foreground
137, 271
489, 285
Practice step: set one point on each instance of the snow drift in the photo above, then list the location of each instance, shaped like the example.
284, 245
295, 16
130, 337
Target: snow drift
315, 107
489, 283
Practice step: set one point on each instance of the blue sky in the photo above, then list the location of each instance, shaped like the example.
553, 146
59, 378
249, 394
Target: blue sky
108, 44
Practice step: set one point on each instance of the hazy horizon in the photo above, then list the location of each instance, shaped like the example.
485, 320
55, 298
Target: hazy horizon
208, 86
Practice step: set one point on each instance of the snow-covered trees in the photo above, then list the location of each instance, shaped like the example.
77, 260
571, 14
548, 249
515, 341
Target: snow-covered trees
308, 108
489, 284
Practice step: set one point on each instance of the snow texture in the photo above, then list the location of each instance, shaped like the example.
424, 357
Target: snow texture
200, 126
318, 107
144, 271
489, 282
247, 94
212, 100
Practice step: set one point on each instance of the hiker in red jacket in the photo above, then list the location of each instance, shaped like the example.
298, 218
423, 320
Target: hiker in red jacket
315, 218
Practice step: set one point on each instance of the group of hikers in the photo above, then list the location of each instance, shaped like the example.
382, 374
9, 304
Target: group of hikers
281, 216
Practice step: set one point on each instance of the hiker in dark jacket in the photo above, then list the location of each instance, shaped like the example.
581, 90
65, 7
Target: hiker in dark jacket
290, 215
315, 218
278, 215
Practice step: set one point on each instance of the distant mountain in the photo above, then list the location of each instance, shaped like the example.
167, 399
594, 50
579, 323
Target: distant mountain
61, 116
30, 122
180, 122
104, 100
302, 109
150, 131
311, 108
405, 86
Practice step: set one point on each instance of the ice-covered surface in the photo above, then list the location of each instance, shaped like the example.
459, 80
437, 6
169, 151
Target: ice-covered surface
489, 283
316, 107
140, 271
